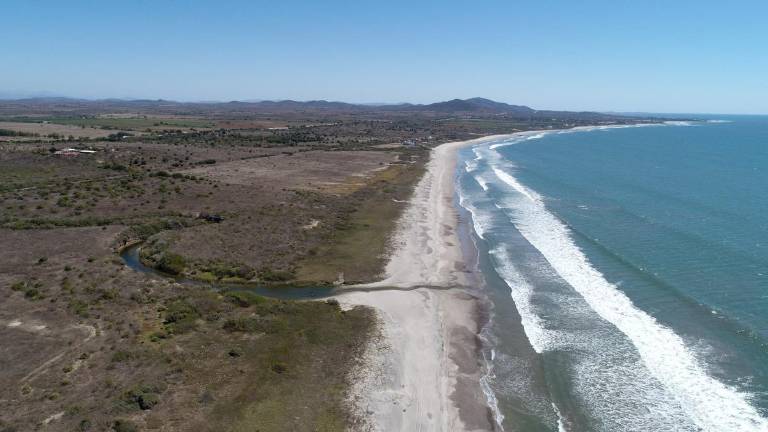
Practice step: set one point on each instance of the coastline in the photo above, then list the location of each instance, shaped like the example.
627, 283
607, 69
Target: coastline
423, 372
425, 368
684, 407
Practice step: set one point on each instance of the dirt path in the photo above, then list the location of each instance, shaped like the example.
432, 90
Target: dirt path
91, 333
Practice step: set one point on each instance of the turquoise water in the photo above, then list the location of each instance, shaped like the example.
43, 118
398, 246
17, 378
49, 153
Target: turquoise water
634, 263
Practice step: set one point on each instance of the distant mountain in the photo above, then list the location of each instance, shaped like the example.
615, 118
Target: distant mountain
297, 105
475, 105
455, 105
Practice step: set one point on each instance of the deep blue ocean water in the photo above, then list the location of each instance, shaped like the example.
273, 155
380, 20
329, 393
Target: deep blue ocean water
628, 268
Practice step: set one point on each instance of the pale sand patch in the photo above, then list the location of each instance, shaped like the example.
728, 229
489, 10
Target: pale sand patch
312, 224
53, 417
423, 374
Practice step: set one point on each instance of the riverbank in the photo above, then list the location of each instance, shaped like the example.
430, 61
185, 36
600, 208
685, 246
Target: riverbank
423, 372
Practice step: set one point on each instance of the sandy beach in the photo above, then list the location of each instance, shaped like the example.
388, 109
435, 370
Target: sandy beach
423, 372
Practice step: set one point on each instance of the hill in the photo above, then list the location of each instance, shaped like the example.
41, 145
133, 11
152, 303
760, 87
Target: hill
473, 107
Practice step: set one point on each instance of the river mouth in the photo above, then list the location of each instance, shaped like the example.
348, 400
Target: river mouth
130, 257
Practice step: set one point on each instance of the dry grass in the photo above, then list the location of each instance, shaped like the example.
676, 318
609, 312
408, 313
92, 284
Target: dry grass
322, 171
358, 248
44, 129
101, 334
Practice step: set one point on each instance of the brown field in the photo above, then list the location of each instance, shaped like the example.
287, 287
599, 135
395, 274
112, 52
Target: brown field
47, 129
358, 251
323, 171
257, 124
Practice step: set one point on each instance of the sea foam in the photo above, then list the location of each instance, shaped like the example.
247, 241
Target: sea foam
485, 385
545, 336
540, 338
711, 405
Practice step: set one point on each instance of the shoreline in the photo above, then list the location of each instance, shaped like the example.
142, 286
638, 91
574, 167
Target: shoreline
696, 404
423, 372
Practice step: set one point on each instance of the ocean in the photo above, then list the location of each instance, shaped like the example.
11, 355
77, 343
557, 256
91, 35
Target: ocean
627, 269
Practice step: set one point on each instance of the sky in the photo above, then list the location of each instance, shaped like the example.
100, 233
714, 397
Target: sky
652, 56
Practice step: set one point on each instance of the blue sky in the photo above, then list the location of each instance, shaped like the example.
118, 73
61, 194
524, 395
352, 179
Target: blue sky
658, 56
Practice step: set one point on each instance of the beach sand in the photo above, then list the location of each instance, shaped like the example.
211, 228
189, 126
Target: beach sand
423, 371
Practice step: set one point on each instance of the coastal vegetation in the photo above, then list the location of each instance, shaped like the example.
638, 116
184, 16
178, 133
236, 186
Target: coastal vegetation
357, 248
284, 197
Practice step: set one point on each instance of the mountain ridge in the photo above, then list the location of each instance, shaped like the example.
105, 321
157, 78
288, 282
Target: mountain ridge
476, 106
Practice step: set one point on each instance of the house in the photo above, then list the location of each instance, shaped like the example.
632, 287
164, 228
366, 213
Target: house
66, 152
73, 152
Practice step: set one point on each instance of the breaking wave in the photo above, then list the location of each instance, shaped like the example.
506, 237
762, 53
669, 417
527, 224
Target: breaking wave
710, 404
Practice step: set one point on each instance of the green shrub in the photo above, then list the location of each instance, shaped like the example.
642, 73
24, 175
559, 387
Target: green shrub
269, 275
279, 367
124, 426
206, 277
232, 272
109, 294
84, 425
172, 263
243, 325
79, 307
244, 298
148, 401
180, 317
13, 133
269, 325
122, 356
117, 136
144, 231
157, 336
144, 396
33, 294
